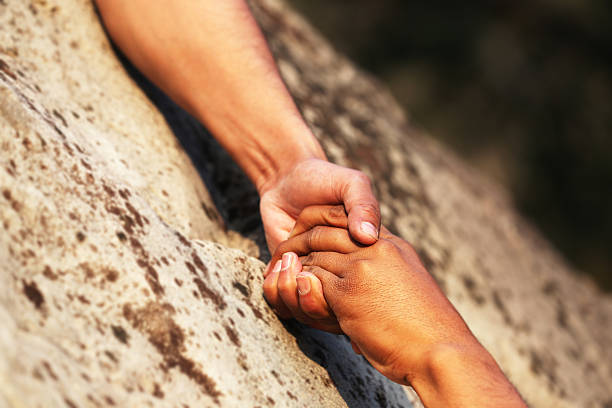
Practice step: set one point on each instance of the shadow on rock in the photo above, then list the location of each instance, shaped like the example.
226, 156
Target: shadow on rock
359, 384
233, 193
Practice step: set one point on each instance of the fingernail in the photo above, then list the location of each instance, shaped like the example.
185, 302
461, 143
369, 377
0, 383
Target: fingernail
277, 267
369, 229
303, 285
287, 260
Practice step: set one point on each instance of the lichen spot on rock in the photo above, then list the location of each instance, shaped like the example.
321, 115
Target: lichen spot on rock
30, 289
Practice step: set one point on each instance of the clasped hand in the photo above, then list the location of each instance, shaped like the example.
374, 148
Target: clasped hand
380, 295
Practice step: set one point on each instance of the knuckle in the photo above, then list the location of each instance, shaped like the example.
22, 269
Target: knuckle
283, 284
361, 268
316, 271
311, 268
360, 177
314, 310
269, 290
407, 248
308, 306
370, 209
281, 249
305, 215
336, 212
309, 259
315, 236
281, 288
386, 247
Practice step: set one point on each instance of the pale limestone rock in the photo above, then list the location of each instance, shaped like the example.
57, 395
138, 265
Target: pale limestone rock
118, 284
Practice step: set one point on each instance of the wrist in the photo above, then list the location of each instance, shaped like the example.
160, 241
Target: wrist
462, 374
423, 361
270, 163
266, 150
433, 365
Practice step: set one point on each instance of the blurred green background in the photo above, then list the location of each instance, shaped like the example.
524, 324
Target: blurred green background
521, 89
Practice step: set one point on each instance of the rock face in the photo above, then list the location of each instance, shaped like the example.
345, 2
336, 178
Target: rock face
117, 283
121, 284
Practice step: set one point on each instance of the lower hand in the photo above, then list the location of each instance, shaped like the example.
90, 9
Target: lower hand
381, 296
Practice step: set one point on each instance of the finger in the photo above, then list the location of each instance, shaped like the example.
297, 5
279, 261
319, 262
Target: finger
329, 282
355, 347
267, 269
287, 290
270, 289
329, 215
330, 261
277, 224
319, 238
311, 299
269, 285
362, 208
287, 285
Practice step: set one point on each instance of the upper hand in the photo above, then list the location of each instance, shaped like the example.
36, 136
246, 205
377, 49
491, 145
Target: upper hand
315, 181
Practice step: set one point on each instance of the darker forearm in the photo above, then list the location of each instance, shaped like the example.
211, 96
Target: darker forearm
462, 374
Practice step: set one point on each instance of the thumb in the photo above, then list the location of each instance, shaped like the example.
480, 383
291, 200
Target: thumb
328, 281
311, 298
362, 208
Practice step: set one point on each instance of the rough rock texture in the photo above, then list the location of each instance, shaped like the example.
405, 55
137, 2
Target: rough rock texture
117, 283
120, 283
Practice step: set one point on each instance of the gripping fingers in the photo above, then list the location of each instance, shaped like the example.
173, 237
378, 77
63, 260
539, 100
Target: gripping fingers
362, 208
330, 283
287, 285
330, 261
314, 310
270, 289
319, 238
326, 215
311, 298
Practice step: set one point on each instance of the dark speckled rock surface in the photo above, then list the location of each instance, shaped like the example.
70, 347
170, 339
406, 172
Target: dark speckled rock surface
120, 282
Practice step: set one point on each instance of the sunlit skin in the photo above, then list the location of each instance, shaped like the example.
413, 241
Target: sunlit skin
382, 297
211, 58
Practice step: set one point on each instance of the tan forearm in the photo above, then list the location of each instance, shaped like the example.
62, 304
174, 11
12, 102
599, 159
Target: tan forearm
463, 375
211, 58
